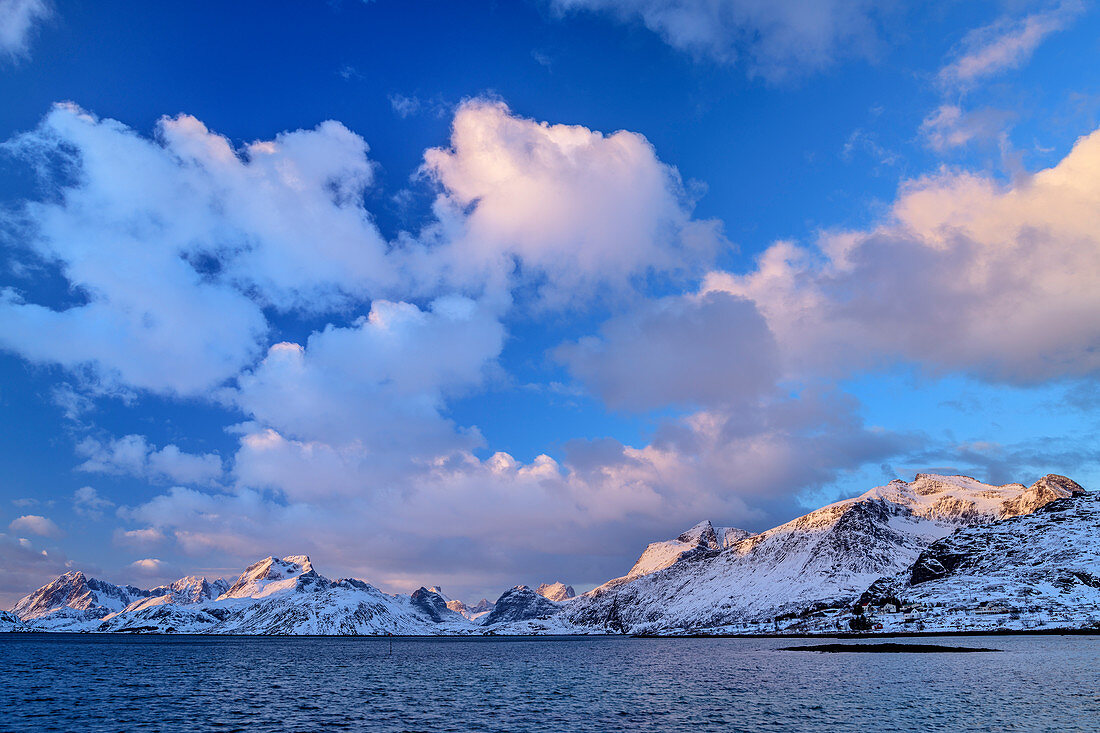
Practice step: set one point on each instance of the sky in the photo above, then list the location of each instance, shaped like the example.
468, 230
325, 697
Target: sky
487, 293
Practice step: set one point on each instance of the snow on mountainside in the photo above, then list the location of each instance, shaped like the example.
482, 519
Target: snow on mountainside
473, 612
520, 604
556, 591
73, 596
271, 596
1042, 567
827, 557
946, 540
185, 591
660, 555
9, 623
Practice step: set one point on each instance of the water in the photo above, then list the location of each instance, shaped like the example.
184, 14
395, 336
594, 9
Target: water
93, 683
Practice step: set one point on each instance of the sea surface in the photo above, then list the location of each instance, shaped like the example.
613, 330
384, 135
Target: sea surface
91, 683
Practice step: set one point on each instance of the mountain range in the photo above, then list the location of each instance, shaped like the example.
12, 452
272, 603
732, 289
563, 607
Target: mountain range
935, 553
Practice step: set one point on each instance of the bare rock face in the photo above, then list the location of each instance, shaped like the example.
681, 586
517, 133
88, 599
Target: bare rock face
556, 591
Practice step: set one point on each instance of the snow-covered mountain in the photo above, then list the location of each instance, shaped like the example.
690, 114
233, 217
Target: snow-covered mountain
703, 536
10, 622
1042, 567
73, 600
520, 604
825, 558
946, 540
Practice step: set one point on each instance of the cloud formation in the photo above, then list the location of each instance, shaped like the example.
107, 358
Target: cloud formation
1005, 44
89, 504
175, 245
347, 445
773, 39
562, 207
17, 21
133, 455
711, 350
37, 525
966, 275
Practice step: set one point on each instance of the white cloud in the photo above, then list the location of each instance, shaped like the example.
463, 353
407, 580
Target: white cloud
150, 567
404, 106
773, 38
176, 244
370, 395
133, 455
1005, 44
491, 520
949, 126
37, 525
710, 350
17, 19
88, 503
139, 537
966, 275
563, 207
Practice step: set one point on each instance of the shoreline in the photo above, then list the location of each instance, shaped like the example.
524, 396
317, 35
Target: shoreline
869, 636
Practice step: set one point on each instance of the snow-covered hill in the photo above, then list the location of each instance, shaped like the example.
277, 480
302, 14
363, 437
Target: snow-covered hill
825, 558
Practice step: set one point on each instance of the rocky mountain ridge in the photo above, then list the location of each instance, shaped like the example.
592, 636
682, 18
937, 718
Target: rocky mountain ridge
926, 540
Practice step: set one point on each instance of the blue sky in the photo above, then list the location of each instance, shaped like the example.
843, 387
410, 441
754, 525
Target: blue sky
470, 333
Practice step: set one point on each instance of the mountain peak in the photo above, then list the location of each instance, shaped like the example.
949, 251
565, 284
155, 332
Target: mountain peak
556, 591
271, 575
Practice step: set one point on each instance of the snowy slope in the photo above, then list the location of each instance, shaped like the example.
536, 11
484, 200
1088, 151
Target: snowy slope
10, 622
891, 539
660, 555
827, 557
1042, 567
520, 604
74, 600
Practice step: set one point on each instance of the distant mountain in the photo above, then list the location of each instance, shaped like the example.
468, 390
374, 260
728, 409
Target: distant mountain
825, 558
520, 604
74, 599
957, 551
556, 591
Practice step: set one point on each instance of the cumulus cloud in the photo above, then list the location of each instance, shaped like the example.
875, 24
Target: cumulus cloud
17, 21
369, 396
1005, 44
133, 455
966, 275
174, 245
774, 39
564, 207
584, 518
88, 503
349, 450
35, 524
710, 350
